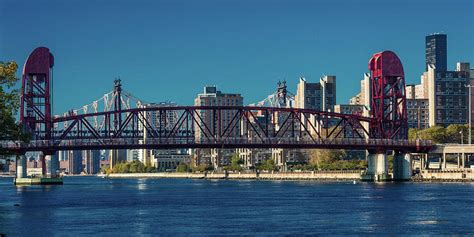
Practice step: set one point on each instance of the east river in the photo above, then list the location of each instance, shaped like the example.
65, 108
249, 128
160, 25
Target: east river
123, 207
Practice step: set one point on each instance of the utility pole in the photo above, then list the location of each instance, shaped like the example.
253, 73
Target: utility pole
470, 113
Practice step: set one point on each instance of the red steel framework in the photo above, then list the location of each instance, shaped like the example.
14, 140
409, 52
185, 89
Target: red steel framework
215, 126
204, 127
388, 99
35, 108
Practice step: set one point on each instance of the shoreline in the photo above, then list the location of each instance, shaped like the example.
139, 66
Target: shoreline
303, 176
331, 175
426, 176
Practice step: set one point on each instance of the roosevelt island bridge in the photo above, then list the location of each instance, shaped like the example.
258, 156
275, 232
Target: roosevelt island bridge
118, 120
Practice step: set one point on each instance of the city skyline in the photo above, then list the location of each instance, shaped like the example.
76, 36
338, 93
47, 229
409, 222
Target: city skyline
155, 64
236, 117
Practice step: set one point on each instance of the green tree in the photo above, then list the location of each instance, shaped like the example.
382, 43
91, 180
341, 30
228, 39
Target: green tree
136, 167
130, 167
202, 168
150, 169
183, 167
235, 163
9, 104
268, 164
438, 134
453, 133
413, 133
325, 157
329, 159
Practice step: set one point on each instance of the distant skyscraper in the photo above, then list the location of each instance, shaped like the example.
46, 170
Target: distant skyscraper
318, 96
92, 158
75, 162
117, 156
436, 52
328, 85
308, 95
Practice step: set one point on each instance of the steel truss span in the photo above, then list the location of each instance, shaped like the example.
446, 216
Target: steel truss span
114, 121
213, 127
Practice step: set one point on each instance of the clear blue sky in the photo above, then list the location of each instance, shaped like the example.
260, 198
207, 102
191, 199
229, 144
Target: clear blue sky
169, 50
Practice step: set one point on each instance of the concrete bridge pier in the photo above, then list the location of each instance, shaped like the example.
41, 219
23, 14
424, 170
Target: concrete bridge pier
21, 167
51, 172
377, 169
402, 166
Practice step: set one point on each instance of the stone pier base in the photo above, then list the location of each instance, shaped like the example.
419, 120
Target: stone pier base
402, 167
377, 168
37, 181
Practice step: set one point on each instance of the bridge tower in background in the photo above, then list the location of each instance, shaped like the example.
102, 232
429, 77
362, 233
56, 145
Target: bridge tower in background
389, 111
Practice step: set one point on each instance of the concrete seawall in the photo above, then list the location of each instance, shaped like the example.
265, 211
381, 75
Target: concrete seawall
453, 175
317, 175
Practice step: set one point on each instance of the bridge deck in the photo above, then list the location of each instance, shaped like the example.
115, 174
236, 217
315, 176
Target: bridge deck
172, 143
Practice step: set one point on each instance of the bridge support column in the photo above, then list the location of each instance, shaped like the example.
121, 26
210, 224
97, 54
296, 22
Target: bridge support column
443, 167
377, 169
21, 167
402, 166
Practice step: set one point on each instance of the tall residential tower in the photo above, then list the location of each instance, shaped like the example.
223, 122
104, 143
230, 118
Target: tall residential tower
436, 51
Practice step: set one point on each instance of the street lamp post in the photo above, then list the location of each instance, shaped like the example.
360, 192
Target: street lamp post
470, 112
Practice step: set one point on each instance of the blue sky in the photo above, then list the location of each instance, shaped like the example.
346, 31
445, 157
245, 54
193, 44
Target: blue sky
169, 50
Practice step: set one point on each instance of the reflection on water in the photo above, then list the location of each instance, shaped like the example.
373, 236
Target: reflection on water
89, 205
142, 184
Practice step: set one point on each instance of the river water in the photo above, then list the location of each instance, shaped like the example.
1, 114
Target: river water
122, 207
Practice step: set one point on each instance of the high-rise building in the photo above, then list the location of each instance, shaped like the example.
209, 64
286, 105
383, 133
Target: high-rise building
117, 156
213, 97
471, 84
448, 96
92, 159
442, 97
328, 85
308, 95
75, 162
162, 122
436, 51
349, 109
356, 110
417, 107
361, 97
253, 157
318, 96
133, 155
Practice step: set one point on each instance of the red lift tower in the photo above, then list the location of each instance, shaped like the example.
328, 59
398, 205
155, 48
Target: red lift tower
388, 105
35, 113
